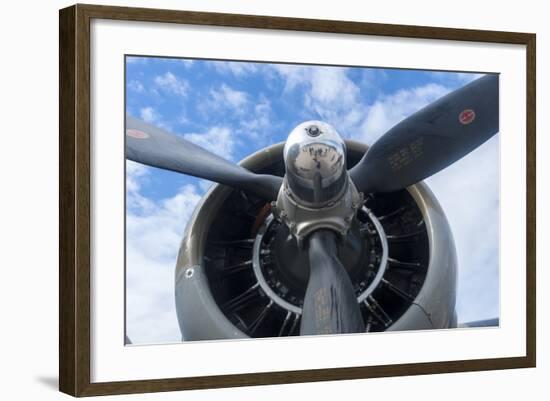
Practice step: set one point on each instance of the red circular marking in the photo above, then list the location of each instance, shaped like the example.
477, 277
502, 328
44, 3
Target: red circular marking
467, 116
134, 133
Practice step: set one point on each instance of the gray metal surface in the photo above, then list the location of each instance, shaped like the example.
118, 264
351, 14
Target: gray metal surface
199, 317
302, 220
495, 322
437, 298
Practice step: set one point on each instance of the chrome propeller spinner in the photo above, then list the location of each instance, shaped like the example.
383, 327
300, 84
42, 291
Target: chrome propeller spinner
317, 192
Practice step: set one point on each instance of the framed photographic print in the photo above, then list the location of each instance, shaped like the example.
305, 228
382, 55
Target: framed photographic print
252, 200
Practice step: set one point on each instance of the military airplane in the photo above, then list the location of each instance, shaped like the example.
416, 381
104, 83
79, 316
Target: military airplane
320, 235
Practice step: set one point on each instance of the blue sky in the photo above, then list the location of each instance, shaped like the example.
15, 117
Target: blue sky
235, 108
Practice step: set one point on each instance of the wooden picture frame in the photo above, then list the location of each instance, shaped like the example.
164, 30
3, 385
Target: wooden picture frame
75, 207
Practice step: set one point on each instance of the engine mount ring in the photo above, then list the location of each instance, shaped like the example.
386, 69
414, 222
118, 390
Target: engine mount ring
257, 267
384, 259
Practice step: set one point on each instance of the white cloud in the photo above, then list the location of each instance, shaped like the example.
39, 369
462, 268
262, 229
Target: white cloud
253, 122
460, 78
329, 93
149, 114
326, 85
468, 192
172, 84
136, 86
388, 110
331, 86
336, 99
182, 118
154, 230
227, 97
134, 171
259, 122
218, 140
294, 75
136, 174
187, 63
237, 68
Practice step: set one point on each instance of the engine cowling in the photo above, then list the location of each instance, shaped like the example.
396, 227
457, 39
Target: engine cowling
239, 274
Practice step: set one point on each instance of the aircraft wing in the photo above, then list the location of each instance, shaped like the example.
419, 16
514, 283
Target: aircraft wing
481, 323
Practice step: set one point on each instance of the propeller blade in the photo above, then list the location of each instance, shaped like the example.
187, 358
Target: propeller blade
330, 304
155, 147
431, 139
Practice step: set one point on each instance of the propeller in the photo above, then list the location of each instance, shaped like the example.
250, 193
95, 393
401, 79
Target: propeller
431, 139
155, 147
414, 149
330, 305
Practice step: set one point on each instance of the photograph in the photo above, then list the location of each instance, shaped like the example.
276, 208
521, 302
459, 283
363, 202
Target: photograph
267, 199
262, 199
